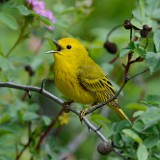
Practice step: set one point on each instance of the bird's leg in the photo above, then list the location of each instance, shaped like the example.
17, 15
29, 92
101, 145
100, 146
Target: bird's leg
66, 104
84, 111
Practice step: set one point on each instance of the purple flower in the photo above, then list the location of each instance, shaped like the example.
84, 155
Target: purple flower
39, 8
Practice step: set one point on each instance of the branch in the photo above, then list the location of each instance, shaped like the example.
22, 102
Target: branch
31, 88
126, 79
42, 91
57, 100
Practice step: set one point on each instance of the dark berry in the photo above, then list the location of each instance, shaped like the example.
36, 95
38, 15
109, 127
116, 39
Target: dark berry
143, 33
29, 69
147, 28
127, 24
110, 47
104, 148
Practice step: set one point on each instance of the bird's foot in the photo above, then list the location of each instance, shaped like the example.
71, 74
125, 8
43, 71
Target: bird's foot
83, 113
66, 104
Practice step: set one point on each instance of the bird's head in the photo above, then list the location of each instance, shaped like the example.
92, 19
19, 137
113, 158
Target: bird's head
69, 48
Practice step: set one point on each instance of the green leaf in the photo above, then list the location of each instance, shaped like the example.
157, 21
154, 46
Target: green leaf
9, 20
156, 38
153, 99
138, 113
139, 12
137, 106
131, 45
117, 139
4, 131
46, 120
28, 116
153, 61
141, 52
50, 41
121, 125
151, 141
142, 153
124, 52
151, 117
100, 118
130, 133
23, 10
156, 13
142, 9
138, 126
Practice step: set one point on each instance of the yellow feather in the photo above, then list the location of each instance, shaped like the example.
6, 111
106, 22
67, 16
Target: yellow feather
79, 78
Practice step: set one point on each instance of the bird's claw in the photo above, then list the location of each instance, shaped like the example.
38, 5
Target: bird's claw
65, 105
82, 114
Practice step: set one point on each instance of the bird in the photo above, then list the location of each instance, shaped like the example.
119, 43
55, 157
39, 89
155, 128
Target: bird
79, 78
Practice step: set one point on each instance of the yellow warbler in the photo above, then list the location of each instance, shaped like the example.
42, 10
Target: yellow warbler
79, 78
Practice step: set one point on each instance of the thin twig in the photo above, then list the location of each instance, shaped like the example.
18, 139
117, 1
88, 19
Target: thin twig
113, 29
54, 98
31, 88
113, 60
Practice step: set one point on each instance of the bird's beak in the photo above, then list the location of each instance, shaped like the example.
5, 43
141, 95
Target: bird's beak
59, 48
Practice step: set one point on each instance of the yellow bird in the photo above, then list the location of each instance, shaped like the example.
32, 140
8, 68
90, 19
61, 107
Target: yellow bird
79, 78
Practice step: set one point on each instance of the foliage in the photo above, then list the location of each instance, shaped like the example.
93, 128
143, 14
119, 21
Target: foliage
26, 35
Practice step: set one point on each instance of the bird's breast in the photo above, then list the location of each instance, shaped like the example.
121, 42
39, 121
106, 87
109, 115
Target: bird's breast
67, 82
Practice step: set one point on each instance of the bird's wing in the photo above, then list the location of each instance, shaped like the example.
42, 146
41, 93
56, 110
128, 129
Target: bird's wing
92, 78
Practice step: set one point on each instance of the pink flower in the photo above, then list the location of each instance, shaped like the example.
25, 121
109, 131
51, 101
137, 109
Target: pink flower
39, 8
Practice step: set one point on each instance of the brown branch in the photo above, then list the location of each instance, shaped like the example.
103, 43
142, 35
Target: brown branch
113, 60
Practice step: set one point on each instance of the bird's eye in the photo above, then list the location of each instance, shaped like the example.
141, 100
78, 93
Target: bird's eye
69, 46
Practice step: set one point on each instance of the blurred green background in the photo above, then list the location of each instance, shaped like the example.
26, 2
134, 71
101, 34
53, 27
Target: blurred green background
90, 21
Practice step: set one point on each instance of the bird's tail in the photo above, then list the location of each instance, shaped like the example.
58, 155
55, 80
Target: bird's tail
120, 113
